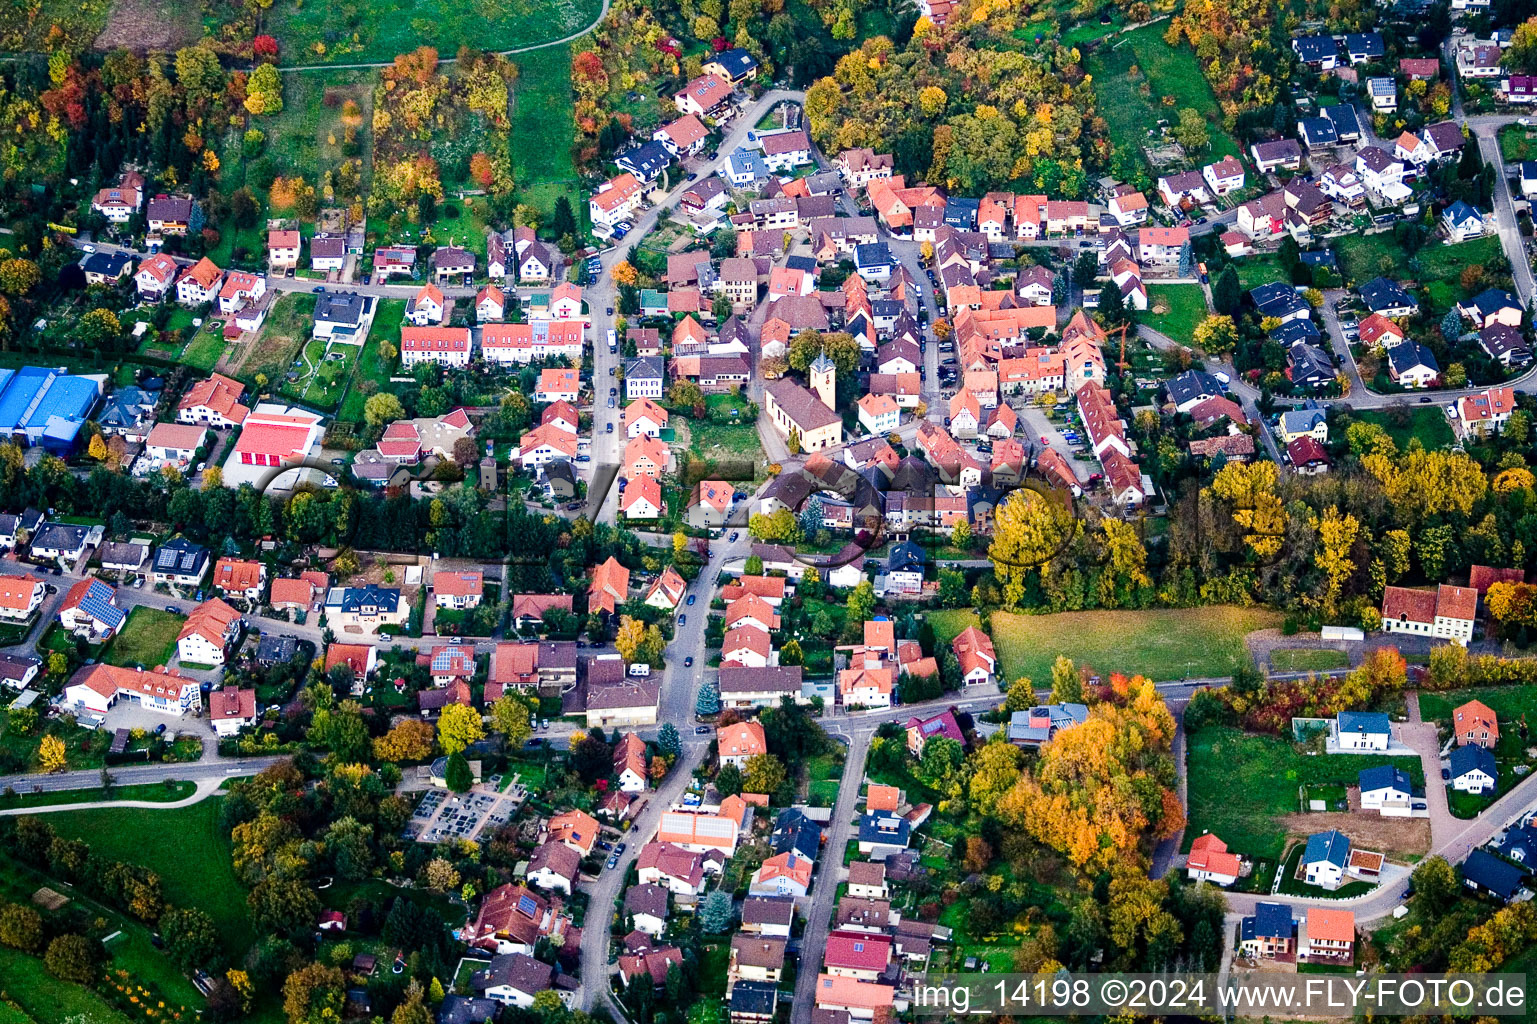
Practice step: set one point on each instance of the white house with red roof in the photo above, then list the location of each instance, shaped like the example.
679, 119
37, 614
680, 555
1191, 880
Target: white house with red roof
565, 301
545, 443
683, 137
523, 343
449, 346
214, 402
231, 709
974, 650
90, 610
207, 633
641, 499
462, 588
173, 443
427, 306
240, 290
1210, 861
450, 662
199, 283
98, 687
20, 596
704, 95
858, 955
616, 199
490, 304
274, 436
1486, 412
739, 743
155, 277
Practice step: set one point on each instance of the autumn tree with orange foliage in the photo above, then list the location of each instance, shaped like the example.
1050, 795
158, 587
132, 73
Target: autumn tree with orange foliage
1102, 791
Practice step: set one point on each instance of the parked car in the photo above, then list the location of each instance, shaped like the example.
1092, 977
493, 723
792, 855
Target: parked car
610, 429
613, 861
688, 662
701, 730
690, 601
682, 619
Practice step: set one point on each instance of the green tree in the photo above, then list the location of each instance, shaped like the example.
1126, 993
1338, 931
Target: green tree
668, 742
728, 781
285, 906
1066, 682
512, 717
382, 408
861, 602
1435, 883
413, 1008
764, 773
1191, 131
457, 775
1021, 696
74, 958
790, 653
20, 927
716, 912
1227, 293
708, 701
314, 994
191, 938
458, 727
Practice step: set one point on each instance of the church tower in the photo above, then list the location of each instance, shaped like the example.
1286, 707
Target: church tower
824, 380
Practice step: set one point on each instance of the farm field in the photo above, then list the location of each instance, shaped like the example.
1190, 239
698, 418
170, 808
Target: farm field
1428, 423
1162, 644
1185, 306
1245, 789
1164, 71
167, 841
342, 33
148, 638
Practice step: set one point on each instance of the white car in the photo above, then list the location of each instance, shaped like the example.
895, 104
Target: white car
1524, 122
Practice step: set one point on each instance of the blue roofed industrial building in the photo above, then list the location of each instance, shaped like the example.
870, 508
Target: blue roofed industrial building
46, 407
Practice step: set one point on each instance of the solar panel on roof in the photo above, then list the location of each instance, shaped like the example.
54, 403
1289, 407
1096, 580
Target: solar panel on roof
526, 905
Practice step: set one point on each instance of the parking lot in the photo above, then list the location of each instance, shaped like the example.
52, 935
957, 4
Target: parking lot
442, 816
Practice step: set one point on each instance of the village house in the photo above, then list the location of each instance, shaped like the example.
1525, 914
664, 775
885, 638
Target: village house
1446, 613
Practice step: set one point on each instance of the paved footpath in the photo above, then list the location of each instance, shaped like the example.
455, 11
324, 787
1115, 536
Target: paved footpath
205, 788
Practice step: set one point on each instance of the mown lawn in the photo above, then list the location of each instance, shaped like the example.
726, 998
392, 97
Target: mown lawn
543, 117
1162, 644
1167, 71
334, 33
46, 999
1303, 659
1509, 703
157, 792
1184, 305
1254, 271
148, 638
168, 841
1363, 257
1428, 423
204, 350
1517, 144
1240, 784
370, 367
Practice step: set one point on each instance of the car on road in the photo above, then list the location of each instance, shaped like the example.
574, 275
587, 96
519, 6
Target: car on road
619, 848
610, 429
613, 371
701, 730
735, 535
690, 601
682, 619
688, 662
1446, 774
611, 403
318, 289
173, 610
613, 391
1426, 400
613, 861
610, 311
